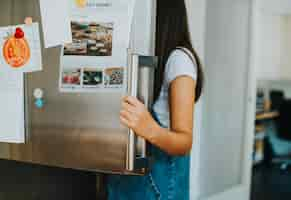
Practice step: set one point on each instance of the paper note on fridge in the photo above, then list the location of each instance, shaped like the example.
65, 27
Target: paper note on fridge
20, 48
114, 16
55, 16
12, 129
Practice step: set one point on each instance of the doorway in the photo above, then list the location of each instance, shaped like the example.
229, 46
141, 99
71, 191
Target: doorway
271, 46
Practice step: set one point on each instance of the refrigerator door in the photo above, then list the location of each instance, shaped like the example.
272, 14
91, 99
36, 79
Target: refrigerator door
82, 131
72, 130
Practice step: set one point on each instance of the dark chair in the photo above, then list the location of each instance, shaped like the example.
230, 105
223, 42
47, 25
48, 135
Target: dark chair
284, 121
284, 132
277, 98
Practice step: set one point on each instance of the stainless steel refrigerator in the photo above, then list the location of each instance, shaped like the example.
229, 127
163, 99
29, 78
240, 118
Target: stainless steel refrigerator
83, 131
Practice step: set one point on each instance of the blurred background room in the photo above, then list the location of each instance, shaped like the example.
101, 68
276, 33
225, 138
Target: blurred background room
272, 60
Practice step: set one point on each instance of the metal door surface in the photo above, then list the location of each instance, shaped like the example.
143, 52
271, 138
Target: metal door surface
80, 131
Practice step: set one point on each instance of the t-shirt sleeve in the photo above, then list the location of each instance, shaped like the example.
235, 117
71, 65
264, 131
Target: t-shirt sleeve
180, 64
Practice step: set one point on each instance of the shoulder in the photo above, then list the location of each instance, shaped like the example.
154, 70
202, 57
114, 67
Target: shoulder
180, 63
181, 56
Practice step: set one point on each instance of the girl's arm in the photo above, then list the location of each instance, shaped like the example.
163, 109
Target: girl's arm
177, 140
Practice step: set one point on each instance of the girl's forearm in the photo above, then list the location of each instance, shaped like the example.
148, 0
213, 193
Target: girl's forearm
174, 143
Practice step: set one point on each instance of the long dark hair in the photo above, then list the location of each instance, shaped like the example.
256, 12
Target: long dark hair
172, 31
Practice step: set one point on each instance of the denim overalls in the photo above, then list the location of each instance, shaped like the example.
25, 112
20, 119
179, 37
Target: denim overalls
168, 180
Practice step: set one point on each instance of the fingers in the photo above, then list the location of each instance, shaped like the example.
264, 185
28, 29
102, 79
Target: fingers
128, 119
126, 115
125, 122
131, 100
131, 112
128, 107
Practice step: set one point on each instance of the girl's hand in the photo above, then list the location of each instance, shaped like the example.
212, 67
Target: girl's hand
135, 116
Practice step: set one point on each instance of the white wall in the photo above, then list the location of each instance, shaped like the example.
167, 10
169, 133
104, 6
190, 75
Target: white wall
282, 85
286, 47
220, 34
196, 14
273, 45
269, 42
276, 6
225, 96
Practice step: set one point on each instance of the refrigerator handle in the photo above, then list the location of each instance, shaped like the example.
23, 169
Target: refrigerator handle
140, 75
147, 65
132, 91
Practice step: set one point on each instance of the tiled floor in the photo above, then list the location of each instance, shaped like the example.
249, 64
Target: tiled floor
271, 183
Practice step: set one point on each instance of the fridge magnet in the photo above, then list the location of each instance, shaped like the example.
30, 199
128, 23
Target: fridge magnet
81, 3
16, 50
28, 21
38, 95
20, 47
91, 3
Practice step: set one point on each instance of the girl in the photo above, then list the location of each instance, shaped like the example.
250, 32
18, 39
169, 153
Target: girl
178, 85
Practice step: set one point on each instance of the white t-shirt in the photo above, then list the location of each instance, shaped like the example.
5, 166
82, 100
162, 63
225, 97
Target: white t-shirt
178, 64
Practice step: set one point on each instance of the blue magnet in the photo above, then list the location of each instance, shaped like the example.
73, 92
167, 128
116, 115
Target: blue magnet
38, 96
39, 103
